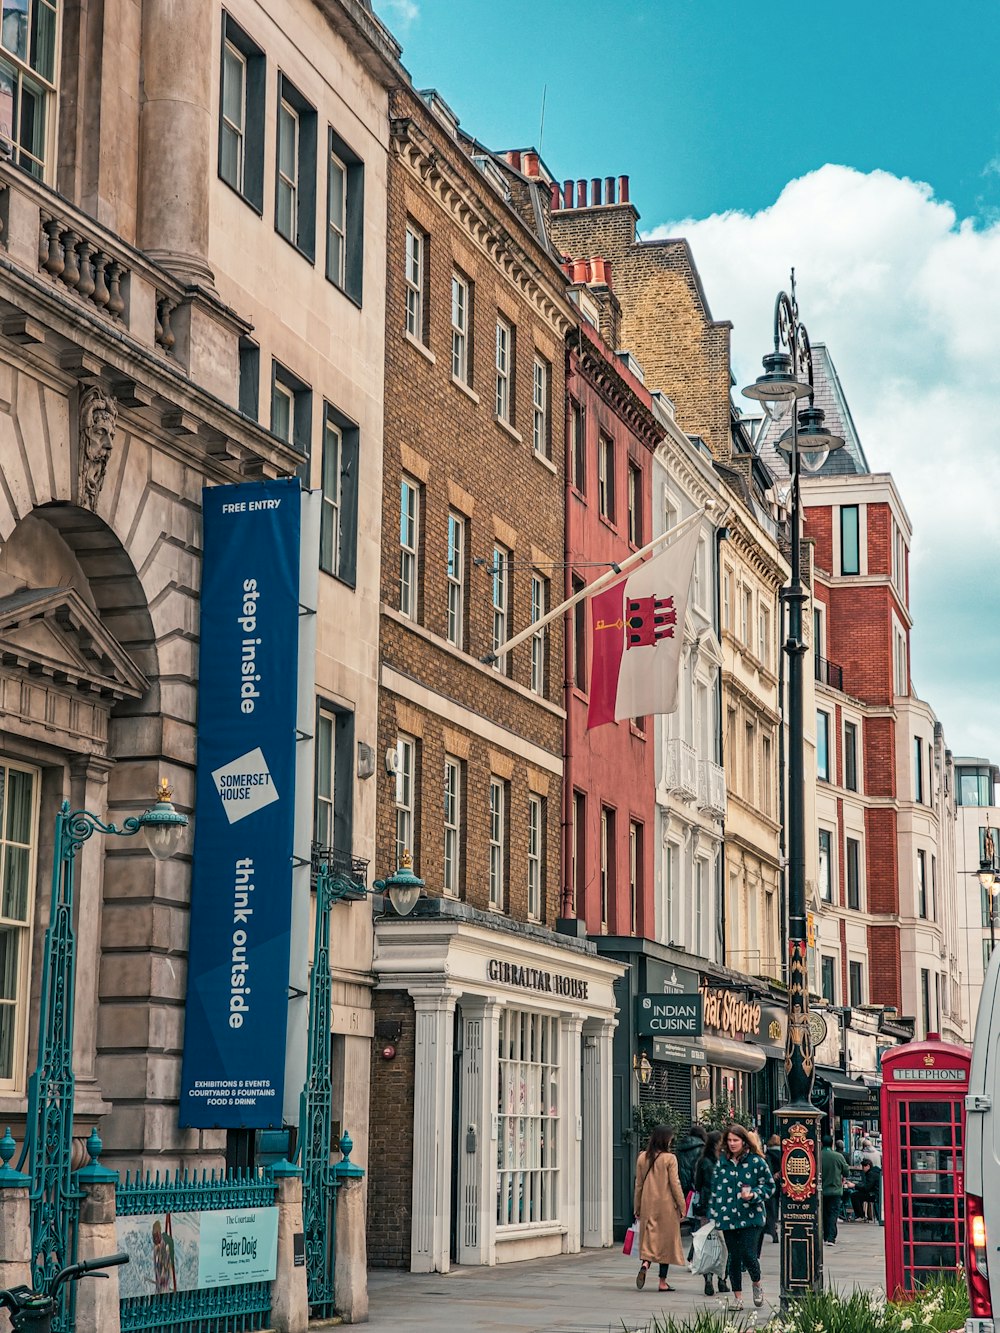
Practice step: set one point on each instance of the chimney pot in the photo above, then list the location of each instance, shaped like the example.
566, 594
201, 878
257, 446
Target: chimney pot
595, 191
623, 189
581, 194
567, 194
597, 271
609, 189
581, 270
556, 195
530, 164
607, 272
514, 158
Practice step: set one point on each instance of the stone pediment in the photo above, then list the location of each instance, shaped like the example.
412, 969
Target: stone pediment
52, 634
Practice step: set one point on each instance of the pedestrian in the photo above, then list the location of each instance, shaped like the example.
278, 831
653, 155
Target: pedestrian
688, 1151
704, 1173
659, 1206
834, 1169
869, 1153
740, 1184
772, 1155
869, 1191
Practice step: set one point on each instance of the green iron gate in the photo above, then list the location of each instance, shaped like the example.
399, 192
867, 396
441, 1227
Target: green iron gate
240, 1308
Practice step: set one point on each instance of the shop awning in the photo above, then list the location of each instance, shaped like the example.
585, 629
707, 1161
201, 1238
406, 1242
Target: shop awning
871, 1080
726, 1054
843, 1087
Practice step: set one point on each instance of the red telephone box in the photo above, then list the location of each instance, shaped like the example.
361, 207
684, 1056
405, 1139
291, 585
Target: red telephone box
923, 1168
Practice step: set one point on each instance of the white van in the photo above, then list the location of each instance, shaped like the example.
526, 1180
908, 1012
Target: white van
982, 1161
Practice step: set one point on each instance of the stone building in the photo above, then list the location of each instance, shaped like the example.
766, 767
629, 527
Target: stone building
493, 1068
191, 293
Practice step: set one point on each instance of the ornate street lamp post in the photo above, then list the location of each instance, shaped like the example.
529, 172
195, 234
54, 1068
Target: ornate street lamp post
787, 378
338, 878
48, 1143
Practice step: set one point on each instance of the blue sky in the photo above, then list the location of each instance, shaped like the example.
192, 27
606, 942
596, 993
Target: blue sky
873, 166
697, 97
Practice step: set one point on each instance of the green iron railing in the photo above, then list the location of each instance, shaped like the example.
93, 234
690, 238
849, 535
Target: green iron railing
48, 1140
241, 1308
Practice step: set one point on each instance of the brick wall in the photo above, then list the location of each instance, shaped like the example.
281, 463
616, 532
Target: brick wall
446, 437
879, 540
390, 1169
665, 321
819, 530
859, 637
884, 967
879, 745
882, 861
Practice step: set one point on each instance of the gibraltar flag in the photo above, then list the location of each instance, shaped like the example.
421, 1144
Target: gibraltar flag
638, 630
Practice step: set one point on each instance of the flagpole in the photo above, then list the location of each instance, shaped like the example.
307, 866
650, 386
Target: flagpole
591, 588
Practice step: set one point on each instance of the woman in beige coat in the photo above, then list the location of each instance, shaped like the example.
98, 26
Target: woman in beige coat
659, 1206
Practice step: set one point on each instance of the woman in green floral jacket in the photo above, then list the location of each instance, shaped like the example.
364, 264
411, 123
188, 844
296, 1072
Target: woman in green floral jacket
740, 1184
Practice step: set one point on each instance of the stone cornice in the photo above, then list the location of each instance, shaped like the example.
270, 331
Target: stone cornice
601, 374
741, 690
756, 548
682, 470
187, 422
479, 219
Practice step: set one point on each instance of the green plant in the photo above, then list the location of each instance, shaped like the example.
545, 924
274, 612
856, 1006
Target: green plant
722, 1113
940, 1307
647, 1115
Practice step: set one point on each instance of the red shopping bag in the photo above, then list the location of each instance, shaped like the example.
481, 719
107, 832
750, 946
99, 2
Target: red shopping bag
629, 1242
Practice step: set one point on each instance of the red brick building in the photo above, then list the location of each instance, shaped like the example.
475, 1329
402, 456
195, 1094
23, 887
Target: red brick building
886, 930
609, 782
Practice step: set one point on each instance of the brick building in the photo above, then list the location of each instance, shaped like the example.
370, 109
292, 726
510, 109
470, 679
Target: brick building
885, 895
501, 1027
718, 890
610, 777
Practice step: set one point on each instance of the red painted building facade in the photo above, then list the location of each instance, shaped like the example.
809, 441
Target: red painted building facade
609, 778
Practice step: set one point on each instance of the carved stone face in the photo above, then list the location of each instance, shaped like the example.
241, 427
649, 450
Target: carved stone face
101, 434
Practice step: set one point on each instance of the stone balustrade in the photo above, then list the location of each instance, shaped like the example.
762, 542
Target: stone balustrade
48, 236
85, 268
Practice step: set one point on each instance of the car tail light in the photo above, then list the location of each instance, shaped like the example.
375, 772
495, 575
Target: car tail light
975, 1254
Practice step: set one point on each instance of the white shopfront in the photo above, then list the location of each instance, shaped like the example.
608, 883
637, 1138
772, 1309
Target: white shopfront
512, 1124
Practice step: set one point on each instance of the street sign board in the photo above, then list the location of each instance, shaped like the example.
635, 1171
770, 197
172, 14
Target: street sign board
668, 1016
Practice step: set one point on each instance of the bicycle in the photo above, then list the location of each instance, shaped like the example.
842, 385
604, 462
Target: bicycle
32, 1311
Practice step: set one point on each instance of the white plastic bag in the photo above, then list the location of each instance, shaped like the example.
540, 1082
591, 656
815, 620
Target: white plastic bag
710, 1254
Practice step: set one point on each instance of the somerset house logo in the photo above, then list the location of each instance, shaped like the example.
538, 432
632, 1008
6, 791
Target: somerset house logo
245, 785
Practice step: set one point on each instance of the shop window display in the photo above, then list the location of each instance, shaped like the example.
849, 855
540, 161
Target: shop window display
527, 1149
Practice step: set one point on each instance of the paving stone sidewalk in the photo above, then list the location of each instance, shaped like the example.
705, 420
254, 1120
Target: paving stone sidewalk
592, 1292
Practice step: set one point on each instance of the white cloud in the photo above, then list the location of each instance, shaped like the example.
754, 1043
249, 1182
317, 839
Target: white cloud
907, 298
399, 14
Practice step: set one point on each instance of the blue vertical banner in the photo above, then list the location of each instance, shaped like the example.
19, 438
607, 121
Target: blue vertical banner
241, 891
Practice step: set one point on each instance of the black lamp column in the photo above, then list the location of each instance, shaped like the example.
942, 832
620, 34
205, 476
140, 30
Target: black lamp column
787, 378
